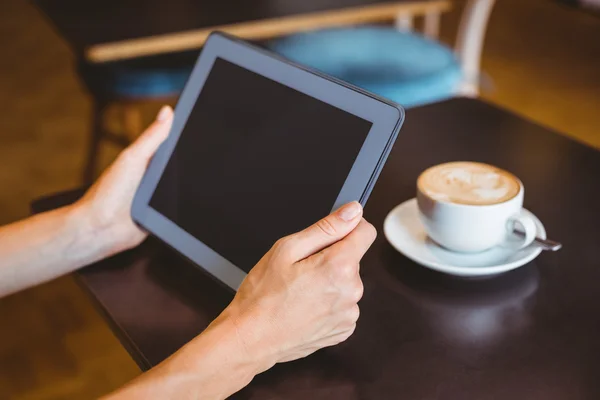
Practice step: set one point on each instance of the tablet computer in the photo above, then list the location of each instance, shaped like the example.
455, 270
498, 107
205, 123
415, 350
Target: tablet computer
260, 148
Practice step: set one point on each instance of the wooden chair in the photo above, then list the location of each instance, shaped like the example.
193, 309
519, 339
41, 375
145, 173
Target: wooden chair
129, 85
409, 68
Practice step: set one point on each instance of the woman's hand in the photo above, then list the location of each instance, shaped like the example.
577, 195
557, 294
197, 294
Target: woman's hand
54, 243
106, 207
303, 294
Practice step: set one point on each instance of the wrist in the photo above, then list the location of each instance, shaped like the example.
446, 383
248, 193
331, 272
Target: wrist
248, 333
227, 337
214, 365
90, 236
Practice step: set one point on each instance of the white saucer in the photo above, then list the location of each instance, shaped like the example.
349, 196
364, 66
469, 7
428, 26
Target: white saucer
405, 232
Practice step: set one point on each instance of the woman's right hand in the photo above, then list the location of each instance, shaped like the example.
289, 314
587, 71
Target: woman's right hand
300, 297
303, 294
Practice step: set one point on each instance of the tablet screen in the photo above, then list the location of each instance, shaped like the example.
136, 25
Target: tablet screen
256, 161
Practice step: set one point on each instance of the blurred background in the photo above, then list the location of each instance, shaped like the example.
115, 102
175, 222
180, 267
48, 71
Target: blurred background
540, 59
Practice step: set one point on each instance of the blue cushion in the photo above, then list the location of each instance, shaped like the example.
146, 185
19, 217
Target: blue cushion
149, 83
147, 77
402, 66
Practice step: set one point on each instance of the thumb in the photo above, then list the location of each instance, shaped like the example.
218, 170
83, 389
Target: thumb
326, 232
146, 145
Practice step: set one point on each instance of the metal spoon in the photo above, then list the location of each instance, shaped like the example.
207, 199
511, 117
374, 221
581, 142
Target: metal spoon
545, 244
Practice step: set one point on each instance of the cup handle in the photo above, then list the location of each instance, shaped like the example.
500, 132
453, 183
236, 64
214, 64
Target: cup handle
529, 229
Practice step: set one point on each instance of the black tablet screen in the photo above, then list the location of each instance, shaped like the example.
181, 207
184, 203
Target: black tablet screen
256, 161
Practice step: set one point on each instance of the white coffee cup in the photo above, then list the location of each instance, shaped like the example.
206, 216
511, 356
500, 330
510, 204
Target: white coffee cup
462, 227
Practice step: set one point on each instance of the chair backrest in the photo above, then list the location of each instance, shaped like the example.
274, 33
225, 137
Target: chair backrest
469, 42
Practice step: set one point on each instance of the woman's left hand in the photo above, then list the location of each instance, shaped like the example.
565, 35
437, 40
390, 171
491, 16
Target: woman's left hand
106, 206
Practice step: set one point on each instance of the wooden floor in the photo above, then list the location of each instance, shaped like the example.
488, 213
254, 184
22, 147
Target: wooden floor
544, 61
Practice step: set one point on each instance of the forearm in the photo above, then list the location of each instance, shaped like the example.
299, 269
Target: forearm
46, 246
212, 366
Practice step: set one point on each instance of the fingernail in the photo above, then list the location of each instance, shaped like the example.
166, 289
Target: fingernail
164, 114
350, 211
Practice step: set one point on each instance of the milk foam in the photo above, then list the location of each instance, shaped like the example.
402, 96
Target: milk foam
469, 183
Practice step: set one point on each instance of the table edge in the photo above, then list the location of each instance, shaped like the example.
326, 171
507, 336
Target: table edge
117, 330
65, 198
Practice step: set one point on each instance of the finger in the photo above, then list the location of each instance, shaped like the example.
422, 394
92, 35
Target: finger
325, 232
147, 144
354, 246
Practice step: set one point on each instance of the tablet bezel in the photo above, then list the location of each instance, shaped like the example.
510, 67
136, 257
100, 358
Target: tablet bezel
385, 116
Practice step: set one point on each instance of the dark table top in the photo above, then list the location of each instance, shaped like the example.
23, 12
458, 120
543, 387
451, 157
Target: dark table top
85, 23
532, 333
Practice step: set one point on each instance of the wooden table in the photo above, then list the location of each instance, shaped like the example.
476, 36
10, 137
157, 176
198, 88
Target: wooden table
533, 333
109, 30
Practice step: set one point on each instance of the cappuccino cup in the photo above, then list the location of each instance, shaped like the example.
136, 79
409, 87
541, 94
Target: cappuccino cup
470, 207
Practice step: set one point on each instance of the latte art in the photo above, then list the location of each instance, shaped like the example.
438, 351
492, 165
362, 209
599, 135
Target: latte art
468, 183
